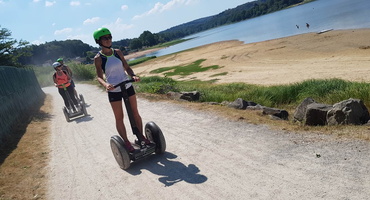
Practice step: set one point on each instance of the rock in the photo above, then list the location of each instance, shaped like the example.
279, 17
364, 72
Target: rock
316, 114
351, 111
282, 114
188, 96
241, 104
300, 112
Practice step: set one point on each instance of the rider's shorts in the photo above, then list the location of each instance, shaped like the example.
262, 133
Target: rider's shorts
117, 96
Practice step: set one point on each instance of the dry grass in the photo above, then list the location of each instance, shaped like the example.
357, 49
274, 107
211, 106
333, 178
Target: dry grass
24, 158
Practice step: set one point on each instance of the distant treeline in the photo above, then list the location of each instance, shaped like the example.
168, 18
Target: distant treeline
240, 13
76, 49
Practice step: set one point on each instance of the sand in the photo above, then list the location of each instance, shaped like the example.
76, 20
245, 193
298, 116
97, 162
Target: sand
343, 54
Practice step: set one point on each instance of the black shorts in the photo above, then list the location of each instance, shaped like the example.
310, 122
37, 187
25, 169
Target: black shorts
117, 96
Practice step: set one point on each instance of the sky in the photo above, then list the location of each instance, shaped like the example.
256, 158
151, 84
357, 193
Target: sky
40, 21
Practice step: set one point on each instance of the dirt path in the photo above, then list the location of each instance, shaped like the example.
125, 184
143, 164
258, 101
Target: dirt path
207, 157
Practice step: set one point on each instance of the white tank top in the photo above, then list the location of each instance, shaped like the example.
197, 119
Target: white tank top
115, 72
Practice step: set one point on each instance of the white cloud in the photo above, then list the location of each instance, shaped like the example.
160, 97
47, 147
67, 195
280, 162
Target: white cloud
74, 3
36, 1
124, 7
63, 31
49, 3
91, 20
118, 28
160, 7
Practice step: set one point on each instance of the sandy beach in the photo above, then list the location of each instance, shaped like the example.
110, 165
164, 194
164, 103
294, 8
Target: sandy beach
343, 54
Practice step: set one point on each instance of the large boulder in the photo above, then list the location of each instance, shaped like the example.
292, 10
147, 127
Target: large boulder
351, 111
316, 114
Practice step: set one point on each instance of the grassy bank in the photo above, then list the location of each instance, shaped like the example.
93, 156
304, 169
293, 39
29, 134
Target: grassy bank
327, 91
283, 96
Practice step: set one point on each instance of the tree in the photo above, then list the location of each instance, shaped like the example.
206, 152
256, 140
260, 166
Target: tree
147, 39
136, 44
8, 48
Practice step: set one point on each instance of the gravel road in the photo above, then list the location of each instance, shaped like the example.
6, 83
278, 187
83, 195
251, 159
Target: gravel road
207, 157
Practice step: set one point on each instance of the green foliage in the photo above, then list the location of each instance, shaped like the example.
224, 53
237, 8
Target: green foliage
80, 73
44, 75
327, 91
156, 85
184, 70
83, 72
10, 49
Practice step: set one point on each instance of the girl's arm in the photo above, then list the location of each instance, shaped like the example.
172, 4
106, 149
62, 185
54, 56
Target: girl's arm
100, 74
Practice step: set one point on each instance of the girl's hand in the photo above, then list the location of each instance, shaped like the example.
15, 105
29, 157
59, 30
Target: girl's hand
136, 78
109, 87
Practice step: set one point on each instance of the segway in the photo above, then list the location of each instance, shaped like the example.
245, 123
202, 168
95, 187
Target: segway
152, 132
74, 111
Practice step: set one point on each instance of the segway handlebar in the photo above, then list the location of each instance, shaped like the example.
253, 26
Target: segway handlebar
124, 83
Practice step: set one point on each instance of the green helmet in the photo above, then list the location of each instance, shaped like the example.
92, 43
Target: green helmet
100, 32
59, 59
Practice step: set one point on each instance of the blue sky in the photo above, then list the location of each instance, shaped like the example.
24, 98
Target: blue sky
40, 21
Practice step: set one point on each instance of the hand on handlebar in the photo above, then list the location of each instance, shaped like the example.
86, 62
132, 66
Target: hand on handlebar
136, 78
109, 87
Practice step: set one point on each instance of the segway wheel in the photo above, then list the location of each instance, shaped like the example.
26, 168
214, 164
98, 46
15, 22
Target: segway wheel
66, 115
82, 100
154, 134
119, 151
83, 106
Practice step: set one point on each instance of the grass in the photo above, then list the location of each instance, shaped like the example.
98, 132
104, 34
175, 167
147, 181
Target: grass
327, 91
184, 70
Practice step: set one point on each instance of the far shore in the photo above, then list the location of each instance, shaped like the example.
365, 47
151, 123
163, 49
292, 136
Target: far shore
343, 54
141, 53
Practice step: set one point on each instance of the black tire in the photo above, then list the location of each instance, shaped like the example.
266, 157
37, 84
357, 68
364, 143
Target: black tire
119, 151
82, 100
154, 134
66, 115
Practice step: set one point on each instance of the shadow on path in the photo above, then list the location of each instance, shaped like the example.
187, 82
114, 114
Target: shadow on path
171, 172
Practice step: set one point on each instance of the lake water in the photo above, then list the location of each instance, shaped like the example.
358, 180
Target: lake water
320, 15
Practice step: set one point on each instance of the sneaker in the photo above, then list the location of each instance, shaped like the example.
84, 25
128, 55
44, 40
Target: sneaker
144, 139
129, 147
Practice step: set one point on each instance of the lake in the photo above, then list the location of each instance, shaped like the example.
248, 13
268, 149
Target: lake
320, 15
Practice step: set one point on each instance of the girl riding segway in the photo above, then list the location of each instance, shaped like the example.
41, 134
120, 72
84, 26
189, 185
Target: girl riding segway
112, 63
62, 80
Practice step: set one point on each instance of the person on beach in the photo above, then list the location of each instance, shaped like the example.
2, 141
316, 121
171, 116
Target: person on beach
69, 71
62, 79
112, 63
